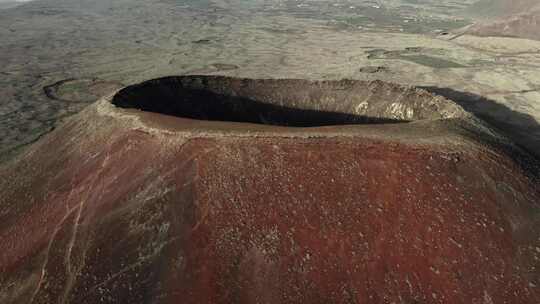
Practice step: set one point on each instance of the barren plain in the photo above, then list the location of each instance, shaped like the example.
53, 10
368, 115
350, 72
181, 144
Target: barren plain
57, 56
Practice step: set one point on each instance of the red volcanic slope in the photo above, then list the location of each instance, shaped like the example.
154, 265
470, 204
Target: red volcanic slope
124, 206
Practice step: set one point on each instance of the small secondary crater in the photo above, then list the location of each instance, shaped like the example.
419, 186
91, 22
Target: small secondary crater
285, 102
80, 90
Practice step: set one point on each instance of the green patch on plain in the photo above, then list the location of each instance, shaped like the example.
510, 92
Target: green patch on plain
432, 62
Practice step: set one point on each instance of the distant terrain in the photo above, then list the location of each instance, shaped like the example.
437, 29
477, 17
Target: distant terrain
520, 19
524, 25
5, 4
497, 8
57, 56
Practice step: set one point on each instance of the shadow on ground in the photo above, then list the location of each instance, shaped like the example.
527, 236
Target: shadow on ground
522, 128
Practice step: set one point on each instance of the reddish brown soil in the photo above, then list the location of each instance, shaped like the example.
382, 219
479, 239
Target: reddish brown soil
123, 206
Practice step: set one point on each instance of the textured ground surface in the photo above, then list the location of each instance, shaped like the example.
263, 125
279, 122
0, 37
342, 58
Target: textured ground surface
119, 41
129, 206
508, 18
501, 8
119, 205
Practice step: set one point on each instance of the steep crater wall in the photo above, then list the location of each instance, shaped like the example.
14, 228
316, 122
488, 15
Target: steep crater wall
295, 103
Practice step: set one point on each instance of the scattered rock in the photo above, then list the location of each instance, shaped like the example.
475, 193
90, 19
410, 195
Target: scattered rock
374, 69
202, 41
525, 25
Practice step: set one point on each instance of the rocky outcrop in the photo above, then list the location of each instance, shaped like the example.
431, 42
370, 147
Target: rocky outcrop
217, 190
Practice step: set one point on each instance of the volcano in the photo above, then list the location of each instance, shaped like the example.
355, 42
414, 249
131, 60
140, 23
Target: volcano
206, 189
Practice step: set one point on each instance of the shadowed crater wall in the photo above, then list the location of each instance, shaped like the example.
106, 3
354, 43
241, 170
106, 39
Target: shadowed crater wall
295, 103
522, 128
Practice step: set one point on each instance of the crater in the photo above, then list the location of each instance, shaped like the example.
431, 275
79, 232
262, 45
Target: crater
285, 102
80, 90
193, 216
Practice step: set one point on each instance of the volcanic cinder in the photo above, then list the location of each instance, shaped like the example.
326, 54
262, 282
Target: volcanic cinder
202, 189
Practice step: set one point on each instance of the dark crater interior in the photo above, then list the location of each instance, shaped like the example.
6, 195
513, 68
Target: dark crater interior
294, 103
